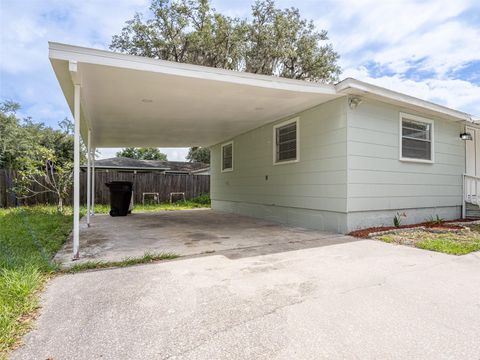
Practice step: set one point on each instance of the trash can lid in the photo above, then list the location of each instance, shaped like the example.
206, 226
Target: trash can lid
119, 185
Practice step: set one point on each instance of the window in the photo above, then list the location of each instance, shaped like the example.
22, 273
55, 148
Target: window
285, 141
416, 138
227, 156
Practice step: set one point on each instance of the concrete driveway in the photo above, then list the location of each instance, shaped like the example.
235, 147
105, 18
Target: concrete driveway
357, 300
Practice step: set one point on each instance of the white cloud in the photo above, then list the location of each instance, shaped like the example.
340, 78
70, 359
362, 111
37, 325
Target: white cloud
447, 47
105, 153
175, 154
386, 23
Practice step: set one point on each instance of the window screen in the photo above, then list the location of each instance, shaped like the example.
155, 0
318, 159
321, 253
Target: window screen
286, 142
416, 140
227, 157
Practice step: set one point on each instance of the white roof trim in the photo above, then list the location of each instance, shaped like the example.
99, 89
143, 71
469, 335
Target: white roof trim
354, 86
67, 52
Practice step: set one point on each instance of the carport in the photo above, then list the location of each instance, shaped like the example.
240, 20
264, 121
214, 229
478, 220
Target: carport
120, 100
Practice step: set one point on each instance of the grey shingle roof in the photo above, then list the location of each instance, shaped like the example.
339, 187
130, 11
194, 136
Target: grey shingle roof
127, 163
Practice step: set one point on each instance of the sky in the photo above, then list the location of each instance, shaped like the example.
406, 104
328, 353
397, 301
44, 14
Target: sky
429, 49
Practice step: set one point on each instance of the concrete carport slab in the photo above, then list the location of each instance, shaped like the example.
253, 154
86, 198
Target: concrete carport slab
187, 233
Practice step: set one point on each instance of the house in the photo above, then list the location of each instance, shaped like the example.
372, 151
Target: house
352, 162
333, 157
124, 164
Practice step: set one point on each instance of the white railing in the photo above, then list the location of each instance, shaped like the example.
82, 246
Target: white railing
471, 186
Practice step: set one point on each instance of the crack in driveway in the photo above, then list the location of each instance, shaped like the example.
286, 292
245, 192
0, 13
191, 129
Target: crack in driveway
233, 326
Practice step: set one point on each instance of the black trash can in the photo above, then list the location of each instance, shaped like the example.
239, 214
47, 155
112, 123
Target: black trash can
120, 197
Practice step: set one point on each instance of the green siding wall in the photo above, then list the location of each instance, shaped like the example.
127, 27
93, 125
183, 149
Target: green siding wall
378, 180
349, 174
317, 182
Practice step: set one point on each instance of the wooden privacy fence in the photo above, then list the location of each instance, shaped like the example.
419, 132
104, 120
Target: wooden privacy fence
163, 184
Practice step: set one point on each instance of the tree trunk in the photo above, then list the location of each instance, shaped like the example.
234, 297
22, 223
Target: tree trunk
60, 204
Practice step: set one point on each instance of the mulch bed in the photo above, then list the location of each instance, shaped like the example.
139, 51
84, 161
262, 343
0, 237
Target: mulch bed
447, 225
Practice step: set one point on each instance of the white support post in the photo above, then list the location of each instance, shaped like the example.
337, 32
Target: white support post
76, 174
476, 191
93, 181
464, 203
89, 176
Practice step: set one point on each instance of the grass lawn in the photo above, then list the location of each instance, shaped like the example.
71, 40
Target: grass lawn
29, 238
187, 205
129, 261
455, 243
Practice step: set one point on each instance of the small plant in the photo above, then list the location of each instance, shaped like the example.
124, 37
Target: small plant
437, 220
203, 199
397, 219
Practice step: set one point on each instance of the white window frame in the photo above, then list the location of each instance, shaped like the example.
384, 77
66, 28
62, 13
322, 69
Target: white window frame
406, 116
221, 156
282, 124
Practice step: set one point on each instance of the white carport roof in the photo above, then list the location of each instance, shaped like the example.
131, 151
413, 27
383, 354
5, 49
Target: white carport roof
134, 101
130, 100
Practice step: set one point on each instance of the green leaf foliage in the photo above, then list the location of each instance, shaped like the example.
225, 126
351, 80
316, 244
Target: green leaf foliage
40, 154
199, 154
272, 41
142, 153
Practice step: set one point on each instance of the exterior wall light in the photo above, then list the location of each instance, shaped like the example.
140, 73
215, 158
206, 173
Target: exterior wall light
354, 101
466, 136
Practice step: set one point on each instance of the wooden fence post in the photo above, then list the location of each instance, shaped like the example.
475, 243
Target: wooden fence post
3, 188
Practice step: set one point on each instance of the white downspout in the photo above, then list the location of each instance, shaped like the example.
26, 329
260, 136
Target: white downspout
89, 175
93, 181
464, 203
76, 174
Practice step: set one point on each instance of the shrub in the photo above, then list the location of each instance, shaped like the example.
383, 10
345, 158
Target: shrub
437, 220
397, 219
203, 199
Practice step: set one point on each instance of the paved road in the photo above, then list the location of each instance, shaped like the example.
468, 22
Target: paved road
358, 300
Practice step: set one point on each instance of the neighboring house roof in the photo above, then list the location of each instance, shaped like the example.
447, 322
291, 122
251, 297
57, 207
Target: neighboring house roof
129, 100
123, 163
203, 171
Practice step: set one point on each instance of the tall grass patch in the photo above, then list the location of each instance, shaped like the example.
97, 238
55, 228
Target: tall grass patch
29, 238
